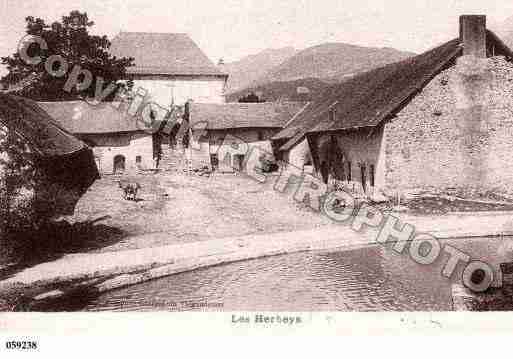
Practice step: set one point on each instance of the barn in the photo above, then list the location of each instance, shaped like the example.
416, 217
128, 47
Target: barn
438, 122
120, 142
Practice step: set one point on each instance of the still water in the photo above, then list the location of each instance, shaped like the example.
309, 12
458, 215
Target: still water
370, 279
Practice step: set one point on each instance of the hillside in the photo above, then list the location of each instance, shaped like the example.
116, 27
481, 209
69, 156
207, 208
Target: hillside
331, 61
250, 68
507, 31
283, 90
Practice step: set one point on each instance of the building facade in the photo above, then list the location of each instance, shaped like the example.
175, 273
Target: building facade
223, 136
120, 142
439, 122
170, 67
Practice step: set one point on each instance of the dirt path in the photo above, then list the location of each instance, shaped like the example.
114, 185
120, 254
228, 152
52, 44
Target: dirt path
176, 208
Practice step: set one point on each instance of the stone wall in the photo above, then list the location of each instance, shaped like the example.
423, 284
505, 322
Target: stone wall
231, 142
165, 90
457, 134
128, 145
299, 155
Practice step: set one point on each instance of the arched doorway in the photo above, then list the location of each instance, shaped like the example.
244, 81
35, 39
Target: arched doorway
119, 164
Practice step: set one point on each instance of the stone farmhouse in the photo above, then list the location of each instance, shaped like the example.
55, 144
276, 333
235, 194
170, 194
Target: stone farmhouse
221, 134
438, 122
171, 67
120, 142
173, 70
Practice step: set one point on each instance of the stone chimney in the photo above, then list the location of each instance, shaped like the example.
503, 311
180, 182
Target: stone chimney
473, 35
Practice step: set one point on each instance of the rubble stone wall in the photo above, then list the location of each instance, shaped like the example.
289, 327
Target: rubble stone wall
457, 134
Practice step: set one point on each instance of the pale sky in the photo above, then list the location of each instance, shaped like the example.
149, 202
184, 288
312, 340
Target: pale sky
232, 29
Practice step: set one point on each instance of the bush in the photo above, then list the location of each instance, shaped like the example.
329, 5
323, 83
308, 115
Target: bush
22, 212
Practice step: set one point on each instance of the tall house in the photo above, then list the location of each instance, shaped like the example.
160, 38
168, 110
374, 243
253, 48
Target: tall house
171, 67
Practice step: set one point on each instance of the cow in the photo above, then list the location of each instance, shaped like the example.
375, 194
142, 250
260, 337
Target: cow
130, 189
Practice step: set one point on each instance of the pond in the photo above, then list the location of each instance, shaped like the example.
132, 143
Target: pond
373, 278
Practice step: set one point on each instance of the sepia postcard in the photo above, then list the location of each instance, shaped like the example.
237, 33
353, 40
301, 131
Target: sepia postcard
294, 166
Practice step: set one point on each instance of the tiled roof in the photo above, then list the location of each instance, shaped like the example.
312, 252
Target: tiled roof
244, 115
80, 117
61, 156
163, 54
369, 98
44, 135
293, 127
366, 99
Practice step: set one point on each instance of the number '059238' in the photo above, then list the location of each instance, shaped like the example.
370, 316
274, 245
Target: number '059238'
21, 345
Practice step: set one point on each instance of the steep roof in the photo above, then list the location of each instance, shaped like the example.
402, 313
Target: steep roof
163, 54
44, 135
243, 115
369, 98
294, 126
62, 157
80, 117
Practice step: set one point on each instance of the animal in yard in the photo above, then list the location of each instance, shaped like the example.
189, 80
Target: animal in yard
130, 189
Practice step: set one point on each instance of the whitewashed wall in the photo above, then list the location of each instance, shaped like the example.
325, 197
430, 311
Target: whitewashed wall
139, 144
179, 90
298, 154
233, 142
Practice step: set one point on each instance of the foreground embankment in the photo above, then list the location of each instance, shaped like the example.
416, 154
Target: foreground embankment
101, 272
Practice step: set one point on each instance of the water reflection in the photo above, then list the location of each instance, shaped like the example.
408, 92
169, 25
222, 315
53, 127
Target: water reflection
370, 279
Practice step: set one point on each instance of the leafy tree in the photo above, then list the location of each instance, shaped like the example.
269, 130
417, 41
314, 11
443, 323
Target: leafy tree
69, 38
28, 201
251, 98
16, 175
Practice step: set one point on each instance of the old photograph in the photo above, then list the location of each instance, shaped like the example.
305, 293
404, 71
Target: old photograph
256, 157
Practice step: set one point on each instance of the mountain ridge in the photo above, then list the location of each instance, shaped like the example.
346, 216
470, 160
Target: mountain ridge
315, 68
333, 61
248, 69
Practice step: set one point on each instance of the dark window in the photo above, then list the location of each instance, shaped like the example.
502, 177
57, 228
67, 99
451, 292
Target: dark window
260, 136
238, 162
325, 171
214, 160
332, 115
349, 173
119, 164
364, 179
371, 174
138, 159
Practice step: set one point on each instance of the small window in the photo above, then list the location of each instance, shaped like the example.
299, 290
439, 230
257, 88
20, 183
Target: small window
363, 177
349, 174
332, 115
138, 159
214, 160
371, 174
